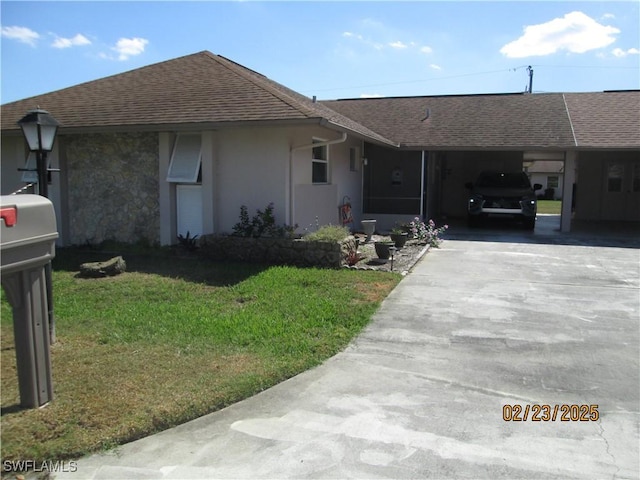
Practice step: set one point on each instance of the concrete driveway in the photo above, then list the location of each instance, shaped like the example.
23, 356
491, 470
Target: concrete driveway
476, 326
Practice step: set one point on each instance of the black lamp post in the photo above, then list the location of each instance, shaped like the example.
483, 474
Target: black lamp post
39, 129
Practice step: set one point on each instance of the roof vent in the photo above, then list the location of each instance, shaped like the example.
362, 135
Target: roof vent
313, 99
427, 115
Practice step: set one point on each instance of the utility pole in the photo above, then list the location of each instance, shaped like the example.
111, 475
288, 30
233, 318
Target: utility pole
530, 71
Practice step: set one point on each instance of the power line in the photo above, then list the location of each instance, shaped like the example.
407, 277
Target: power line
405, 82
463, 75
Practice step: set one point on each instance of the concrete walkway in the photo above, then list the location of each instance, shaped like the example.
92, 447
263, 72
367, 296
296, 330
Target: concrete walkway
476, 326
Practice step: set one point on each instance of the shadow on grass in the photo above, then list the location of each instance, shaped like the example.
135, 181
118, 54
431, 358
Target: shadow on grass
191, 268
8, 410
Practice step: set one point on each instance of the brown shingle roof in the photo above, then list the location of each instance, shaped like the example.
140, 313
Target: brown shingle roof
466, 121
207, 89
202, 88
605, 120
519, 121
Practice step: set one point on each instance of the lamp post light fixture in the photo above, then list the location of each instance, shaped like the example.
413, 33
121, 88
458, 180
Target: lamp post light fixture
392, 251
39, 128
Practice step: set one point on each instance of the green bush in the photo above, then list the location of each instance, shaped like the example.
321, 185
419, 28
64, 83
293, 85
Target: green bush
263, 224
328, 233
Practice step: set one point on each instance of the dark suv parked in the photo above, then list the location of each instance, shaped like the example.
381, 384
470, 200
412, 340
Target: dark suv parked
507, 195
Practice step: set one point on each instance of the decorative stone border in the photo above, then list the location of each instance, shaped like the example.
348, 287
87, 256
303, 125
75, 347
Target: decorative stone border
277, 251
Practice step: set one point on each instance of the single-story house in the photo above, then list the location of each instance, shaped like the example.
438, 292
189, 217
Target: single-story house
549, 174
181, 145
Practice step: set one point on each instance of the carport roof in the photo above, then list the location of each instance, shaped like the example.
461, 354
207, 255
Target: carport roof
194, 90
518, 121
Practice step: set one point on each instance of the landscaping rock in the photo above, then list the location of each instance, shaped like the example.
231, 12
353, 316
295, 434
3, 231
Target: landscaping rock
114, 266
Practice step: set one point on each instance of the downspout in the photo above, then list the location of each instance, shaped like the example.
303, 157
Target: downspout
422, 192
304, 147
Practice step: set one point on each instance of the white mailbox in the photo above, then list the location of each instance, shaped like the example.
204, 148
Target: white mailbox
27, 244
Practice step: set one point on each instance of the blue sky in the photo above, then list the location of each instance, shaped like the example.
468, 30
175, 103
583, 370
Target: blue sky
332, 49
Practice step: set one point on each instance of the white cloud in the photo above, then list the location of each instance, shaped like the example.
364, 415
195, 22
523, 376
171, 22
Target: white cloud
608, 16
435, 67
76, 41
426, 49
371, 95
130, 47
21, 34
352, 35
618, 52
575, 33
398, 45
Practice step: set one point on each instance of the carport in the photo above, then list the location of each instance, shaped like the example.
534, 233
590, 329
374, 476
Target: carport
446, 141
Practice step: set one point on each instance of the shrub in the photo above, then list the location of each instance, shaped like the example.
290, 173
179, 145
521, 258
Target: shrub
188, 243
328, 233
263, 224
426, 232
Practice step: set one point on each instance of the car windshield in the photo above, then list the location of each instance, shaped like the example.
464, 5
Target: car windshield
504, 180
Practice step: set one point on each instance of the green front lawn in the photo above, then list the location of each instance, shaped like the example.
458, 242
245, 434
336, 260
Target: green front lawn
549, 206
173, 339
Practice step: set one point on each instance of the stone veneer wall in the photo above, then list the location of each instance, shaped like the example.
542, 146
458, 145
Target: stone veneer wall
113, 187
278, 251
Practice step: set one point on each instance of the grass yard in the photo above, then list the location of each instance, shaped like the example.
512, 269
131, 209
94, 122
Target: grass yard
173, 339
549, 206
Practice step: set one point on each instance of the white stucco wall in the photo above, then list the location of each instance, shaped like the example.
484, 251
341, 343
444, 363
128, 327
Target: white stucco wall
262, 165
317, 203
251, 169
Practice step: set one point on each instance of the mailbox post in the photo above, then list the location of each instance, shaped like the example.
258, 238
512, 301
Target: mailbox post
27, 244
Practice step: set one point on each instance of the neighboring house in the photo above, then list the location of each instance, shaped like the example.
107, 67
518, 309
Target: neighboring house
180, 145
549, 174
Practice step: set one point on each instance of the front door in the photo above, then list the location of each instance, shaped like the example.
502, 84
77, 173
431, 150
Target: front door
621, 196
189, 210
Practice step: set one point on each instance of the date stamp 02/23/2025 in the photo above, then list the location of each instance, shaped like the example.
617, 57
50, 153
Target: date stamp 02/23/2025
550, 413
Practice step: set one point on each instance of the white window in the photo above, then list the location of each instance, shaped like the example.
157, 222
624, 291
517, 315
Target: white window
185, 159
552, 182
319, 163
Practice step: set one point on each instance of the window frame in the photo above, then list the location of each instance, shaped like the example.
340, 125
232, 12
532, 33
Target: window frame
318, 160
178, 172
